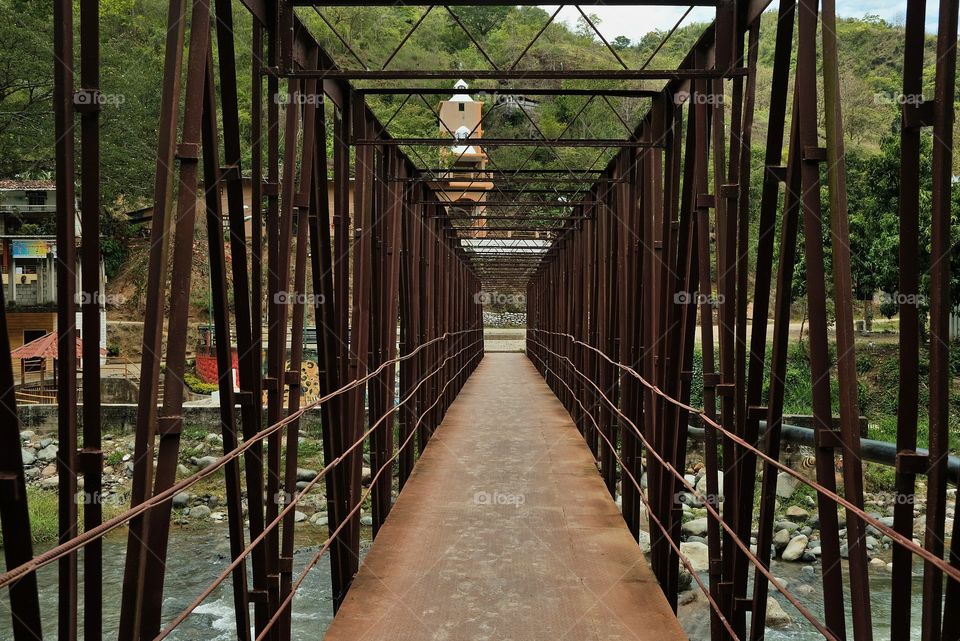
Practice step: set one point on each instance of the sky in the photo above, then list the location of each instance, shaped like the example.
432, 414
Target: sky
634, 22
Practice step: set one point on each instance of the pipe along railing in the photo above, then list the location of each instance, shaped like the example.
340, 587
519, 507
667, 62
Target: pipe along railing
660, 259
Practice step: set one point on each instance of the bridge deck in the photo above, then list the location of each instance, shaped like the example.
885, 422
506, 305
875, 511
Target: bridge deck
505, 532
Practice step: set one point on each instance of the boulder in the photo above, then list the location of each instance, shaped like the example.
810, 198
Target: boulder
205, 461
795, 549
776, 617
781, 538
27, 456
797, 514
199, 512
48, 453
695, 527
786, 485
306, 474
702, 485
181, 500
697, 555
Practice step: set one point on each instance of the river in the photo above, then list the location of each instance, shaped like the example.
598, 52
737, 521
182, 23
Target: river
196, 558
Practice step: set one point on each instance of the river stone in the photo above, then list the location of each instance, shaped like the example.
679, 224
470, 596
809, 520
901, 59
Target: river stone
27, 456
365, 475
877, 562
781, 538
50, 483
696, 554
366, 519
205, 461
797, 513
49, 470
200, 512
26, 435
644, 540
786, 485
319, 519
702, 485
299, 517
47, 453
795, 549
789, 526
695, 527
306, 474
46, 442
181, 500
776, 617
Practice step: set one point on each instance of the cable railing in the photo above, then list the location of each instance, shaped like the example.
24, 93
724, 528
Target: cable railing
542, 354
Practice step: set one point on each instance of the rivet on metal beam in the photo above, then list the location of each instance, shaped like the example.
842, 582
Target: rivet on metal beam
726, 389
815, 154
258, 596
169, 425
757, 412
87, 101
910, 462
779, 172
730, 190
918, 114
230, 172
188, 151
828, 438
9, 488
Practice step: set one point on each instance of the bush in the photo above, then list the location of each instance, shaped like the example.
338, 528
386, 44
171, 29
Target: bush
198, 386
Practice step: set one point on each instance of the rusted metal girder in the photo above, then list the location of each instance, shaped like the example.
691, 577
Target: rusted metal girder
678, 249
655, 243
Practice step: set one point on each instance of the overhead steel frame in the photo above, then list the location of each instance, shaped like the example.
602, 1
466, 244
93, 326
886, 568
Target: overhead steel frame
669, 267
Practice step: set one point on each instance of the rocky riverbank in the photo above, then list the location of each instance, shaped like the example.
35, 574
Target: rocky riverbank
796, 549
203, 502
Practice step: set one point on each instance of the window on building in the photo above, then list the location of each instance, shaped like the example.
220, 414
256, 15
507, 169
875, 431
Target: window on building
36, 198
460, 106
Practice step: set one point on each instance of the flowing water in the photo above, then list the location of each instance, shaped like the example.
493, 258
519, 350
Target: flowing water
195, 559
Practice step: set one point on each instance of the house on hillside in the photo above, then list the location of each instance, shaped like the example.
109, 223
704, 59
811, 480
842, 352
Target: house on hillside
28, 253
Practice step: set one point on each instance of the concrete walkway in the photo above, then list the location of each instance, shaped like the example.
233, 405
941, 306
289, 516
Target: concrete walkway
505, 532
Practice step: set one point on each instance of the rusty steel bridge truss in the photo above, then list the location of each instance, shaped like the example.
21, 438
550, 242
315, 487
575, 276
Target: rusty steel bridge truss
635, 258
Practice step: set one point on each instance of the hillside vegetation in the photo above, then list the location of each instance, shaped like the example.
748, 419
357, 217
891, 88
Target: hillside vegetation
133, 33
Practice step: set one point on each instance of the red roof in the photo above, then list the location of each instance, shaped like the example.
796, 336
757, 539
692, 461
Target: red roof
28, 185
43, 347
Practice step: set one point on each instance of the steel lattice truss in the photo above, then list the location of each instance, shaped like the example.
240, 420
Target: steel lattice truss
621, 262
